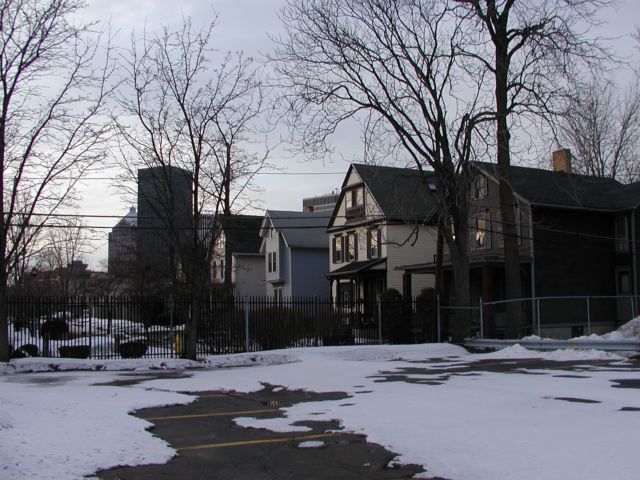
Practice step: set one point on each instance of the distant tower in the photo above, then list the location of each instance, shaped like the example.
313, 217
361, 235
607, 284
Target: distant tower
122, 243
164, 219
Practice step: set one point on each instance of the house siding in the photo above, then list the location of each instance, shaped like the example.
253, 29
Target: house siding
582, 262
304, 284
491, 203
402, 248
248, 275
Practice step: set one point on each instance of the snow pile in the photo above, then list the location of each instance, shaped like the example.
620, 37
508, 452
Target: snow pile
628, 331
39, 364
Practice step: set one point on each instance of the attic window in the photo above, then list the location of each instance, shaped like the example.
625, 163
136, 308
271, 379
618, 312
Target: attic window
480, 187
354, 202
432, 186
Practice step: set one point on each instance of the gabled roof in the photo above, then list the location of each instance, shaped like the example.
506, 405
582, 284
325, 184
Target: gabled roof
401, 193
242, 232
299, 229
558, 189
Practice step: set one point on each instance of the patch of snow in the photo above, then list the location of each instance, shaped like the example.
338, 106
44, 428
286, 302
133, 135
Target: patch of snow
280, 425
311, 444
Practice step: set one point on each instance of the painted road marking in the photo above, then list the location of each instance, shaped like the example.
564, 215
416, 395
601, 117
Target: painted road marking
216, 414
265, 441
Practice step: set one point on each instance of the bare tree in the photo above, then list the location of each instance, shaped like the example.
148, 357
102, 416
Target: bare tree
601, 124
530, 47
64, 246
394, 66
50, 128
183, 110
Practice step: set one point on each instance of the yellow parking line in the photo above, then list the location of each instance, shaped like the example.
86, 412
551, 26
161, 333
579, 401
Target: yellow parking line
265, 441
216, 414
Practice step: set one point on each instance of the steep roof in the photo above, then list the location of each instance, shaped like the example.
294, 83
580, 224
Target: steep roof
301, 229
550, 188
402, 193
242, 232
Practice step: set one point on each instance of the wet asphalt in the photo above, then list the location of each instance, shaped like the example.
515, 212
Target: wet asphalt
211, 445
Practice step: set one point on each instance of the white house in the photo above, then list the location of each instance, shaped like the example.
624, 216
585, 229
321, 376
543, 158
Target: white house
236, 255
385, 218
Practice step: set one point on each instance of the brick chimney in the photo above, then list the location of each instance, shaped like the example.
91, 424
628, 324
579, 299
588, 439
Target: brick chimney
561, 160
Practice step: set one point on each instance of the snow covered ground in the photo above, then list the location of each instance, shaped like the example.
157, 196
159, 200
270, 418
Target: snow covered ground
458, 424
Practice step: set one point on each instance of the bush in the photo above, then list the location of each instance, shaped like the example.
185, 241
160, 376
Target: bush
29, 349
395, 326
74, 351
55, 329
133, 349
16, 353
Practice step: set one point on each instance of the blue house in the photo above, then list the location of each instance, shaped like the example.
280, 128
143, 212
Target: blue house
295, 246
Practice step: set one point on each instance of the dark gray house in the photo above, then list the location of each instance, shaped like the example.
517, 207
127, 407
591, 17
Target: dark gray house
577, 236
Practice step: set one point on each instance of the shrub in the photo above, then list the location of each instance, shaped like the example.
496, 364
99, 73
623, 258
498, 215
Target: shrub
29, 349
133, 349
395, 326
74, 351
16, 353
55, 329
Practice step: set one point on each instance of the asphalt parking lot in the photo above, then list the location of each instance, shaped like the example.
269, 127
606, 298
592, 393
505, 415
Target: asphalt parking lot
211, 446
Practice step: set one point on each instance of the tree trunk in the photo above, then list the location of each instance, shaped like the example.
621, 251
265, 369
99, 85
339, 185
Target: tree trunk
4, 319
513, 281
458, 250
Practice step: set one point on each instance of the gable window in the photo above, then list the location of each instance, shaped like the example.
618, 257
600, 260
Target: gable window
622, 233
373, 243
354, 201
351, 247
271, 262
481, 231
338, 249
480, 187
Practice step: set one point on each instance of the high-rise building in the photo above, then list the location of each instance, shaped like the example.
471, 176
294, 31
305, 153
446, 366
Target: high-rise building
122, 243
165, 211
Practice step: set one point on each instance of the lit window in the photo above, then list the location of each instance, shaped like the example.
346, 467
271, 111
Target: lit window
352, 247
373, 243
481, 231
338, 249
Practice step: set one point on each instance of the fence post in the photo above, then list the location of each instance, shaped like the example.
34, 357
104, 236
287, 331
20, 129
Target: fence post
481, 319
85, 304
379, 302
438, 317
588, 315
246, 326
538, 315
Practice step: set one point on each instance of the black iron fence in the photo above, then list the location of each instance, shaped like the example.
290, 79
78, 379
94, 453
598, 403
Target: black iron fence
130, 327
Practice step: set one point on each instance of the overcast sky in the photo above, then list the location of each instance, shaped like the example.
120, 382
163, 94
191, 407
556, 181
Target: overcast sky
246, 25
